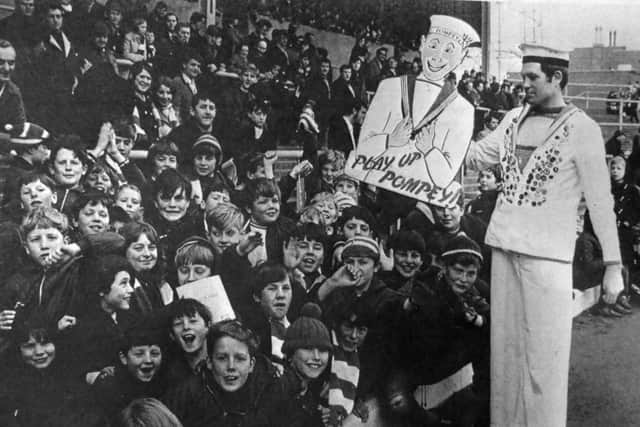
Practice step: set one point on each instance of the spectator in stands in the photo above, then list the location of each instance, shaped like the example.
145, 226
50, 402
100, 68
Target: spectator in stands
138, 373
12, 109
241, 386
342, 135
254, 134
258, 56
233, 102
206, 163
194, 260
114, 14
59, 67
307, 347
407, 253
140, 103
240, 59
184, 85
618, 145
199, 121
491, 121
360, 49
21, 28
198, 24
489, 184
135, 42
373, 70
626, 199
36, 386
451, 305
341, 88
165, 113
67, 165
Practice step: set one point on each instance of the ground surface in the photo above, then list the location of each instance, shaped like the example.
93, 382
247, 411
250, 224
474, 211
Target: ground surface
604, 381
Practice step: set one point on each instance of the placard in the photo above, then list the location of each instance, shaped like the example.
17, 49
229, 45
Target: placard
210, 292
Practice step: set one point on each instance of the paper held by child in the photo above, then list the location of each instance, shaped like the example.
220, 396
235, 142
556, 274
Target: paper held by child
210, 292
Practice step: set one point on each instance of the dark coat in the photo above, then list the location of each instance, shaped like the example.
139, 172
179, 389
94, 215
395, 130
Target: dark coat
341, 92
383, 304
61, 289
340, 136
300, 410
482, 206
33, 398
94, 343
12, 109
433, 340
58, 67
200, 402
114, 393
184, 136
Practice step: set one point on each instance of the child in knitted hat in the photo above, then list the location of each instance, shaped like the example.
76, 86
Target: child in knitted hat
307, 347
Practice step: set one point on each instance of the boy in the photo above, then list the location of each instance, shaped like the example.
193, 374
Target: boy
53, 279
170, 216
349, 329
272, 294
310, 242
90, 213
225, 223
207, 158
162, 155
357, 283
194, 260
454, 327
354, 221
407, 248
263, 207
254, 134
203, 112
138, 373
189, 322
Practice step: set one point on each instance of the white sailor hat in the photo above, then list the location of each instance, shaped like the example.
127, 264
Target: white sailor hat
544, 55
455, 29
27, 134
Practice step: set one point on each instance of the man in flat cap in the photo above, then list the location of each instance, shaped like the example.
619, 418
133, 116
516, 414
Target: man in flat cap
551, 154
417, 130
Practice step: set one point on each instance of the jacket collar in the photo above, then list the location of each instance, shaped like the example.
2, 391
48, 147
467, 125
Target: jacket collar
65, 41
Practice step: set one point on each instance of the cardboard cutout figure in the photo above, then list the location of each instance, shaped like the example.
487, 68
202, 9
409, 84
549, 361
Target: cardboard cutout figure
417, 130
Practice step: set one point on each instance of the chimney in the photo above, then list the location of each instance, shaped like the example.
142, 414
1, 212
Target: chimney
610, 38
615, 36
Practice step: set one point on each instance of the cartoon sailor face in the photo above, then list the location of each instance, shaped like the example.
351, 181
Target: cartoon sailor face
440, 55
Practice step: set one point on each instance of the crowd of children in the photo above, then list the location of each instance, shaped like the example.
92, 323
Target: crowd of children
326, 300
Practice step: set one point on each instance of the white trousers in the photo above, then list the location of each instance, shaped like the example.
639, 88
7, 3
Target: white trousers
531, 314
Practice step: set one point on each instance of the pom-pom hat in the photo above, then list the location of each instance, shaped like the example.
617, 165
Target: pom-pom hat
307, 331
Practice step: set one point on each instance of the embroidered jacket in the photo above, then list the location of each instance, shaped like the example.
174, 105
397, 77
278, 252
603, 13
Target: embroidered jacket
536, 213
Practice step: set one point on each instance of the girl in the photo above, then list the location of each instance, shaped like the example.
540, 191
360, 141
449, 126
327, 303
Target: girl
165, 114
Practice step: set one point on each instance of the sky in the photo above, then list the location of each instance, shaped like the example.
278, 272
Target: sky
562, 23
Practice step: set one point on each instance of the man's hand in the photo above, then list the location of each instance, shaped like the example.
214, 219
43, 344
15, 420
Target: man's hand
249, 243
6, 319
301, 170
612, 283
401, 133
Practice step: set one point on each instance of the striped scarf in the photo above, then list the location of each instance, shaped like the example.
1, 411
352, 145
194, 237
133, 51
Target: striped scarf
343, 382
